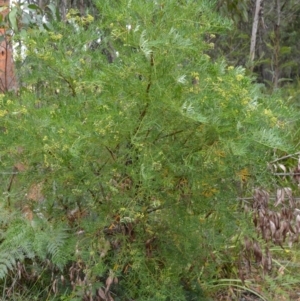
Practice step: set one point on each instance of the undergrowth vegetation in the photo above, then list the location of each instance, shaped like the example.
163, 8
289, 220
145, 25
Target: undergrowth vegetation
128, 155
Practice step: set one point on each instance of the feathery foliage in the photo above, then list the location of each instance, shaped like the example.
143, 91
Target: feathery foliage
129, 142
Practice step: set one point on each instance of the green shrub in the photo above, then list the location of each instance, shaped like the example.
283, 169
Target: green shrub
130, 154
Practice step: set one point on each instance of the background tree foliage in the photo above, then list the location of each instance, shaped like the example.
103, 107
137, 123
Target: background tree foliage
124, 152
277, 50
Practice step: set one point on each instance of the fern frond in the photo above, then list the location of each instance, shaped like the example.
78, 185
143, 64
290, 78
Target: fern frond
16, 245
29, 240
56, 246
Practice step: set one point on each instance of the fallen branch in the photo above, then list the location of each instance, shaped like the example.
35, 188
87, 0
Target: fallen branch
284, 157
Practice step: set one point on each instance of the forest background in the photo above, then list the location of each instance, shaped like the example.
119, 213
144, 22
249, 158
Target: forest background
150, 151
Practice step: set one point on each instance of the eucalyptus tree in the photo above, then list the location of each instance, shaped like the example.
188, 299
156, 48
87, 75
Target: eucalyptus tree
65, 5
7, 74
277, 38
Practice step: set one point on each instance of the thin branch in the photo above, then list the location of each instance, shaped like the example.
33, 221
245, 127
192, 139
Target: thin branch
150, 76
149, 210
10, 185
284, 157
168, 135
143, 113
111, 153
65, 79
286, 174
283, 5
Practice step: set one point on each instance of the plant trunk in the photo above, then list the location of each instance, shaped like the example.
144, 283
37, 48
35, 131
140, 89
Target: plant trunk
254, 32
7, 76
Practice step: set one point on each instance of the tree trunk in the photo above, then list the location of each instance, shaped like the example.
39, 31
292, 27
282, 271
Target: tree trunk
63, 9
7, 76
277, 47
81, 7
254, 32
